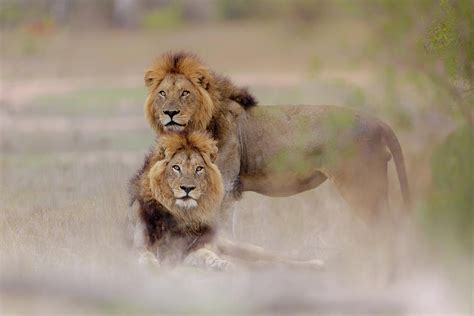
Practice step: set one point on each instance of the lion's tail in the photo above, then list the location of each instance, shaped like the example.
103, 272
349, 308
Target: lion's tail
393, 144
245, 251
258, 255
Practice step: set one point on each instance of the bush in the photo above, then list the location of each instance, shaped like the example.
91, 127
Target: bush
449, 215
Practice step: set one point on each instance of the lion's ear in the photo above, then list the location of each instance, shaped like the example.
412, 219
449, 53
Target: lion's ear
213, 153
161, 153
149, 78
203, 80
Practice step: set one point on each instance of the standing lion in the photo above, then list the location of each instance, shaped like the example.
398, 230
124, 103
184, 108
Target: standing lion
276, 150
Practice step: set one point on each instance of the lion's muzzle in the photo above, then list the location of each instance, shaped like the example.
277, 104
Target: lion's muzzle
186, 197
171, 121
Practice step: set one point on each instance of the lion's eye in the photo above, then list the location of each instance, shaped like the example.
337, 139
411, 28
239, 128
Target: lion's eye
162, 93
176, 167
199, 169
185, 93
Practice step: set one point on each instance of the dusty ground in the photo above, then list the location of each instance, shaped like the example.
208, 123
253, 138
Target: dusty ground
73, 132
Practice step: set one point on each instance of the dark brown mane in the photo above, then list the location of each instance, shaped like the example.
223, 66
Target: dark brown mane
160, 223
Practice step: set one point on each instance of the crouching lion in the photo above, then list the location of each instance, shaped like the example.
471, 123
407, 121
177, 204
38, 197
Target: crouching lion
276, 150
179, 190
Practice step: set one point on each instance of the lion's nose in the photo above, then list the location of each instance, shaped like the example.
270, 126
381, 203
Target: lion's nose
171, 113
187, 189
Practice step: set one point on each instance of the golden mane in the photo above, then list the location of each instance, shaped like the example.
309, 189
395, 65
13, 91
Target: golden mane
214, 90
155, 185
199, 141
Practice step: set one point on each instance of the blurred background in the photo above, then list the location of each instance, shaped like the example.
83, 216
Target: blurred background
73, 132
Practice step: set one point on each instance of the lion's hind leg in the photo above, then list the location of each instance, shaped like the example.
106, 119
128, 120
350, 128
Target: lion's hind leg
362, 181
364, 185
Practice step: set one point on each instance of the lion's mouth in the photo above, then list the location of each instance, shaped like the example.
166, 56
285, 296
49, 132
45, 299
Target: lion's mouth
174, 126
173, 123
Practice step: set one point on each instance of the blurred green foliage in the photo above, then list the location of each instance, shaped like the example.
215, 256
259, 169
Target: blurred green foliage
168, 17
10, 14
91, 102
393, 107
306, 11
230, 9
448, 217
434, 38
451, 37
156, 14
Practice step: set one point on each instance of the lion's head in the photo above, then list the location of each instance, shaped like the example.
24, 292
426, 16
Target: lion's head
181, 93
185, 179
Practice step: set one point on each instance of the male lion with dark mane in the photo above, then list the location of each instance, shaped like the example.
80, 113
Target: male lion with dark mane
179, 190
276, 150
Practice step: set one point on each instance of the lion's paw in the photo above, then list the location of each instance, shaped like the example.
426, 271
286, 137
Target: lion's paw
219, 264
206, 259
315, 264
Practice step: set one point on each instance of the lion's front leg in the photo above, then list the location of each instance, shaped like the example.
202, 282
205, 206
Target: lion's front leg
227, 217
207, 259
148, 259
228, 162
137, 234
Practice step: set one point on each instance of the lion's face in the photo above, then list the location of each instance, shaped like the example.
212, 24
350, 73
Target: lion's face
187, 176
179, 94
176, 101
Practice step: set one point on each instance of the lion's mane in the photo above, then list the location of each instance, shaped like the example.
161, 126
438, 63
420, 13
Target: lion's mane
215, 91
156, 200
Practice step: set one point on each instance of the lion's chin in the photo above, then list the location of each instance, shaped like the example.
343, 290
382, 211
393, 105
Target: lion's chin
187, 204
174, 128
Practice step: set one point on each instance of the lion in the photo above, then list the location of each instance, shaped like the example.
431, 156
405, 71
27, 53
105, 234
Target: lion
276, 150
179, 190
